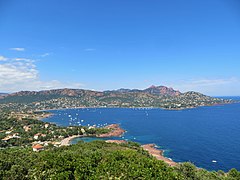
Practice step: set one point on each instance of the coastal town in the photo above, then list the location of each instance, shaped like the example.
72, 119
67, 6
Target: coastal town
157, 97
28, 130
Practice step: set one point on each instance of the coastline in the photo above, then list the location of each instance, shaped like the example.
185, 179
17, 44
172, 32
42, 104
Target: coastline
66, 141
44, 116
118, 131
158, 154
150, 148
151, 142
147, 107
114, 107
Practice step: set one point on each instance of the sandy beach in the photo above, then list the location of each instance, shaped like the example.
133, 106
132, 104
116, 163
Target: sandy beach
66, 141
115, 131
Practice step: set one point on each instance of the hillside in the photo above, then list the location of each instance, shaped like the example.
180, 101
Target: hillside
154, 96
97, 160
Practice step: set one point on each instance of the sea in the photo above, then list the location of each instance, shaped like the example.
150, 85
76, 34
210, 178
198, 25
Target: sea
208, 137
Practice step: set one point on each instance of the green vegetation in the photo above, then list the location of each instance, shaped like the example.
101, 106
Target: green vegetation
94, 160
97, 160
72, 98
24, 131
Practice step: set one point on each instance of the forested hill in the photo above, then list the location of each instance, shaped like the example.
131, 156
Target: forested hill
154, 96
98, 160
32, 96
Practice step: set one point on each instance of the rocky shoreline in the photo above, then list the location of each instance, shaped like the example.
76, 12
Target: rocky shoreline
116, 130
150, 148
158, 154
116, 141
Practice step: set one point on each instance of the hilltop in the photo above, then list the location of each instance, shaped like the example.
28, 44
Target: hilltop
154, 90
154, 96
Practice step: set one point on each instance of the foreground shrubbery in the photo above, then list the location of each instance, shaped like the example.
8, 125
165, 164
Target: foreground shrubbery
96, 160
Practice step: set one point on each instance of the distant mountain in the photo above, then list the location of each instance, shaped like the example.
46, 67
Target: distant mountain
35, 96
154, 96
155, 90
162, 90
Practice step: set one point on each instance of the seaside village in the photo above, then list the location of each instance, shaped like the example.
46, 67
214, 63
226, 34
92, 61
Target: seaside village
38, 133
26, 129
38, 142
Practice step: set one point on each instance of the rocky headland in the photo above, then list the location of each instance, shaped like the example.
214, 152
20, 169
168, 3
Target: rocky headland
158, 154
115, 130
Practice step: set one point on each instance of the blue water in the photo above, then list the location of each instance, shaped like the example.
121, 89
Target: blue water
198, 135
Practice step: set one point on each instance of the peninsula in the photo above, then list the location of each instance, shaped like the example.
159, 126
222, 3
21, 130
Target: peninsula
154, 96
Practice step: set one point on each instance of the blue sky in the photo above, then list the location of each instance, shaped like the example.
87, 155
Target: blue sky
92, 44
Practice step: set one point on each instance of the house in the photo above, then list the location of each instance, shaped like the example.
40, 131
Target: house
8, 132
15, 135
11, 137
26, 128
83, 131
6, 138
46, 126
36, 136
37, 147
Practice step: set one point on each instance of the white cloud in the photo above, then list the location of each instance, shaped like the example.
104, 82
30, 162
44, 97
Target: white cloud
21, 74
224, 86
24, 59
17, 49
90, 49
2, 58
45, 54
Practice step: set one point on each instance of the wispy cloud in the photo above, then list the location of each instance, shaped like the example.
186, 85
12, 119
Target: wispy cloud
22, 74
17, 49
24, 59
45, 54
89, 49
220, 86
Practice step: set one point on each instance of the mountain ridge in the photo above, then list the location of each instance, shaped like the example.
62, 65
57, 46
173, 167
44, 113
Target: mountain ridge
153, 96
156, 90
